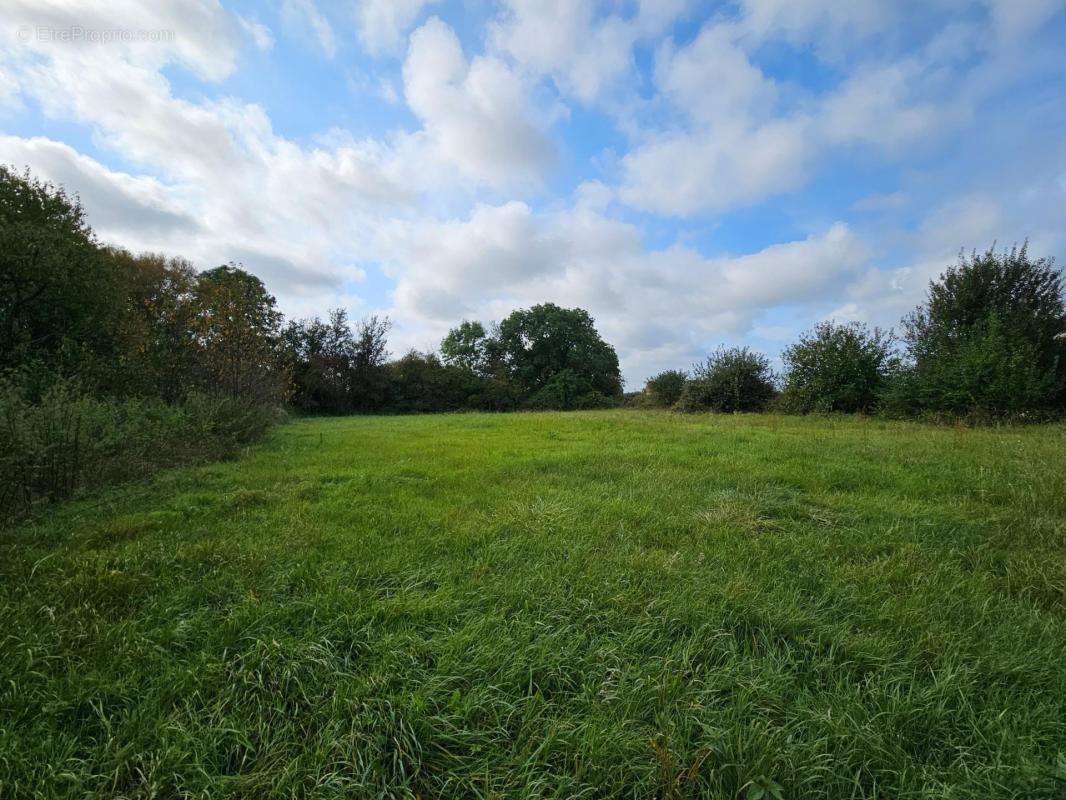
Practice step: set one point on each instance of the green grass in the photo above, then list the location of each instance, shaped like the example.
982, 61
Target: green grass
630, 604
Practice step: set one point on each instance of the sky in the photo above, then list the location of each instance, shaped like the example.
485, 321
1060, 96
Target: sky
691, 173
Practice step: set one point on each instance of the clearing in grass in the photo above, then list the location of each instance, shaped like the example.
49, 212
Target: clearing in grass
615, 603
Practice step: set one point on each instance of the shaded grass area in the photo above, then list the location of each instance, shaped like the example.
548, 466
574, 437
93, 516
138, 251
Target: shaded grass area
631, 604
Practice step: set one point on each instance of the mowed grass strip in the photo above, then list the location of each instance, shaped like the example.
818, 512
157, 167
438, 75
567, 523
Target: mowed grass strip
630, 604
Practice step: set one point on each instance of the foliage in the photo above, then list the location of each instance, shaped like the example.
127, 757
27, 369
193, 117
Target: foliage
665, 388
60, 302
731, 379
985, 341
67, 440
237, 329
370, 376
320, 359
158, 354
555, 355
466, 346
420, 383
608, 604
837, 368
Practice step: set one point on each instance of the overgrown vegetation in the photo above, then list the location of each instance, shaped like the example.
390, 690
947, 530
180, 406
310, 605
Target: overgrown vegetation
602, 604
98, 344
730, 380
989, 344
837, 368
544, 357
113, 365
66, 440
665, 389
987, 341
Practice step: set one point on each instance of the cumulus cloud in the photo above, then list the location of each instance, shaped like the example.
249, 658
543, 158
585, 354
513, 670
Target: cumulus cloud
738, 137
650, 303
709, 171
133, 209
222, 184
383, 23
585, 53
461, 202
477, 115
196, 34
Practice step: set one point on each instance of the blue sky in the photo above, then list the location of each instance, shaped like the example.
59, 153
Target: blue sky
691, 173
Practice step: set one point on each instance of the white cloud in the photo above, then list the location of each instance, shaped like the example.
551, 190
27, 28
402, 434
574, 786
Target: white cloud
878, 106
477, 115
133, 209
712, 79
197, 34
717, 170
742, 137
383, 23
659, 308
306, 13
258, 32
831, 24
586, 54
221, 183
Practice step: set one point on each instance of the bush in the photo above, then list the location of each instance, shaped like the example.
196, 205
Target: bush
985, 344
420, 384
731, 379
837, 368
67, 441
567, 389
665, 388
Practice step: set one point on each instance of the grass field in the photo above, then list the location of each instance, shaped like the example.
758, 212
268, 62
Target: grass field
629, 604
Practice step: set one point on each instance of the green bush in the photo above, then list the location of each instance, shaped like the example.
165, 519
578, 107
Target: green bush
985, 344
567, 389
67, 441
731, 379
665, 388
837, 368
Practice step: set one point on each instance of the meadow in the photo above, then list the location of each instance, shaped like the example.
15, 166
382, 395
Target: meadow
571, 604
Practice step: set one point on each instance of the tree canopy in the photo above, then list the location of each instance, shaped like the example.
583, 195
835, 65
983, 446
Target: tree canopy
547, 343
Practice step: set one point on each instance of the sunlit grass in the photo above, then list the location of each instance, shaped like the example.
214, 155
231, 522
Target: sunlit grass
616, 603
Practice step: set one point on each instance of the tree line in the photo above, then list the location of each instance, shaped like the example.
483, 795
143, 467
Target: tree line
113, 364
122, 325
988, 343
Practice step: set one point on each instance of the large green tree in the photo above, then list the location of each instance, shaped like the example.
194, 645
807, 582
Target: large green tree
61, 302
986, 339
466, 346
556, 356
158, 353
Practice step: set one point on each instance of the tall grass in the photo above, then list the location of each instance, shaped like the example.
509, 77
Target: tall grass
603, 604
67, 441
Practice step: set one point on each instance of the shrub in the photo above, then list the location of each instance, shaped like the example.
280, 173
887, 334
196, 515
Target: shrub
731, 379
66, 441
665, 388
420, 383
837, 368
985, 342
